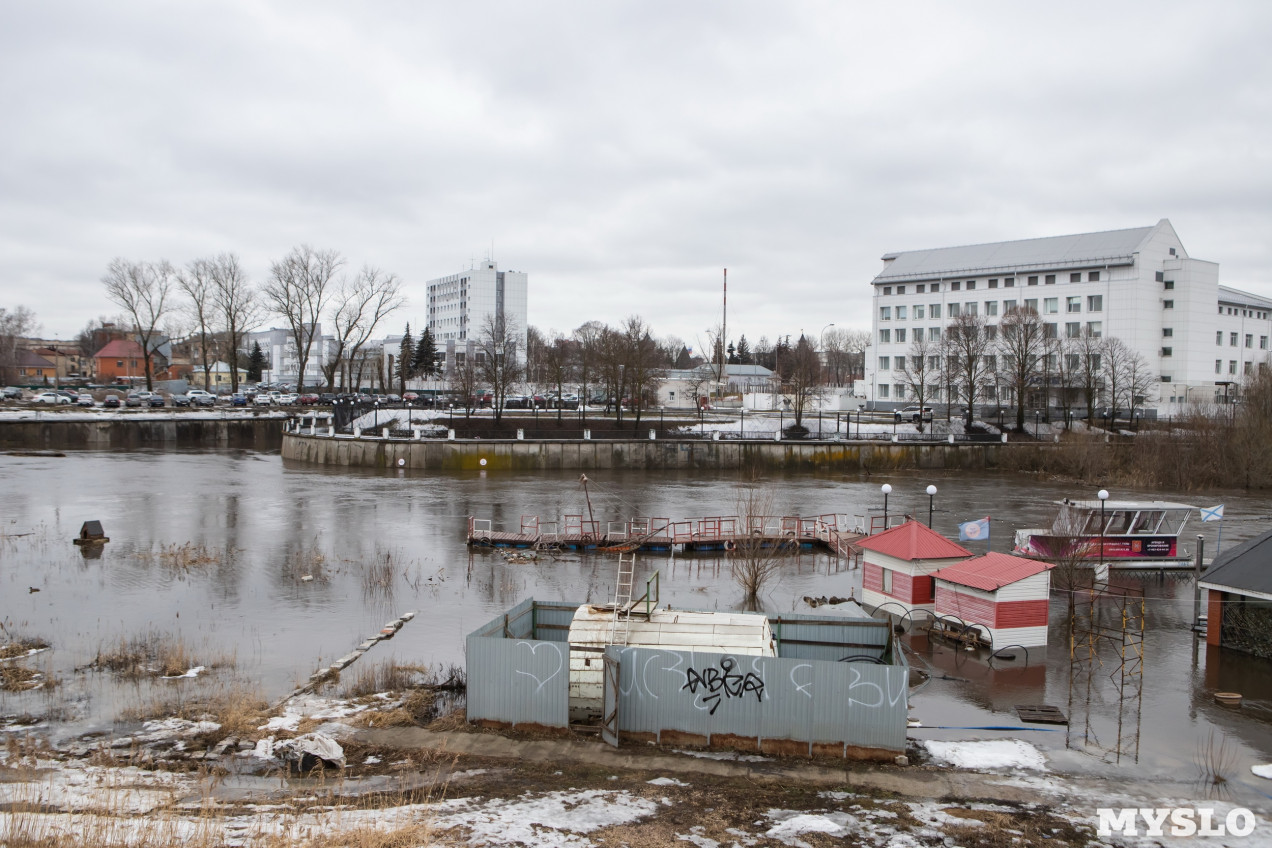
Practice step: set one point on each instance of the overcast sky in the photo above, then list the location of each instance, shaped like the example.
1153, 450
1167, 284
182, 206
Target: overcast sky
622, 154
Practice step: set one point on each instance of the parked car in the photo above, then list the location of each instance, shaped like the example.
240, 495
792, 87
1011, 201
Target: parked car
12, 393
914, 414
155, 400
203, 399
134, 399
85, 400
181, 400
50, 397
307, 399
111, 402
197, 393
287, 399
262, 400
326, 398
238, 400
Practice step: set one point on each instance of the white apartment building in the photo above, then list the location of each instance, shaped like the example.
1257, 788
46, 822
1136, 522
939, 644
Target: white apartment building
1138, 285
459, 307
282, 357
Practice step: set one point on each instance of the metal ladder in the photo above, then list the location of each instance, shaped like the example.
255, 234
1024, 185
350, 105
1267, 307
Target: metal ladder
623, 598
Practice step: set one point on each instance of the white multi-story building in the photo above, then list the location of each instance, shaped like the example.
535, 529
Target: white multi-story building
1139, 285
461, 306
282, 356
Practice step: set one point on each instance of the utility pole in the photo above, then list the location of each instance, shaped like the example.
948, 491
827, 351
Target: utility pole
724, 332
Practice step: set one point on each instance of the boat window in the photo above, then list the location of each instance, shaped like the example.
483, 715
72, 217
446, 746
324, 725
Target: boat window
1175, 521
1092, 525
1119, 522
1148, 521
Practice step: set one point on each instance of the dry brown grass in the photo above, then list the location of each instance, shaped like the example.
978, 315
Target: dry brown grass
21, 647
152, 654
185, 558
239, 710
380, 577
15, 677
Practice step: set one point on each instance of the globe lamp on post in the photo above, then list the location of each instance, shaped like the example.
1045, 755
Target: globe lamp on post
886, 488
931, 491
1103, 495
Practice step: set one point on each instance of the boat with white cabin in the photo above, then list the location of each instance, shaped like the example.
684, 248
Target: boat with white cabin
1125, 534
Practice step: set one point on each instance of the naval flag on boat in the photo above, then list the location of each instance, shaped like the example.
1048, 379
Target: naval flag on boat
974, 531
1213, 513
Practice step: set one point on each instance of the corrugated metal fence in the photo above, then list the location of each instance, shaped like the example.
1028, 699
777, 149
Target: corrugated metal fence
518, 673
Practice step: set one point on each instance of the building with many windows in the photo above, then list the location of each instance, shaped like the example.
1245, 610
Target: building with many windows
1198, 338
461, 306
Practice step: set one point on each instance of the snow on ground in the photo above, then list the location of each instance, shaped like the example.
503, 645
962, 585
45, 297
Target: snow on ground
28, 414
550, 820
666, 781
1262, 771
991, 754
723, 755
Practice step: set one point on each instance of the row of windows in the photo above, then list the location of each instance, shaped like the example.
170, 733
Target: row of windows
1244, 313
1247, 367
1072, 362
992, 282
1072, 330
1050, 306
1249, 340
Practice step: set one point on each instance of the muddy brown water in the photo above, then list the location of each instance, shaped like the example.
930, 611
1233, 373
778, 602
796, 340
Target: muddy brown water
377, 544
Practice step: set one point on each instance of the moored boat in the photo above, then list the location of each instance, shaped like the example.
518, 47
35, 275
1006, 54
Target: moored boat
1131, 534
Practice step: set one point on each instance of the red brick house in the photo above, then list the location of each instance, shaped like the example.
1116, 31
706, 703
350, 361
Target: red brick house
898, 565
120, 361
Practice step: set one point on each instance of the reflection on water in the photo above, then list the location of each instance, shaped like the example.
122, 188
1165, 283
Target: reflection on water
276, 569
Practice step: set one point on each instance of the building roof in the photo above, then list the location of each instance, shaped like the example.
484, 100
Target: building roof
1111, 247
991, 571
678, 630
31, 359
914, 540
1227, 294
1245, 569
119, 348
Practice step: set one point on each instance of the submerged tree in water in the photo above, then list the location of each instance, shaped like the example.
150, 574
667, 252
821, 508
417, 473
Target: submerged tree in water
759, 550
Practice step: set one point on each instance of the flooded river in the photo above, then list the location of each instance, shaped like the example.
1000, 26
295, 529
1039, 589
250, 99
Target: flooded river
271, 570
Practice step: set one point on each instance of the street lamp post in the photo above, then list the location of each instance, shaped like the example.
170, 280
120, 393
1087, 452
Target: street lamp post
931, 492
1103, 495
886, 488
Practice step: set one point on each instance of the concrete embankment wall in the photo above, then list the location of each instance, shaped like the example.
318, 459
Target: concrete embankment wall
51, 434
665, 454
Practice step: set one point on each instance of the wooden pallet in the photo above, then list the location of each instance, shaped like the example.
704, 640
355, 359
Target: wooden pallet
1040, 714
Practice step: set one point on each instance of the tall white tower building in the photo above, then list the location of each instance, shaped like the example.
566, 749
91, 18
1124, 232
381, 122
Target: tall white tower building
461, 305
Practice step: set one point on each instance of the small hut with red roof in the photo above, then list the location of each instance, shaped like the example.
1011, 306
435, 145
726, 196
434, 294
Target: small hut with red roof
898, 564
1006, 597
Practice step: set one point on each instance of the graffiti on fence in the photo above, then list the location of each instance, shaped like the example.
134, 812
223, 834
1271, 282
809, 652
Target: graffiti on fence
538, 665
719, 684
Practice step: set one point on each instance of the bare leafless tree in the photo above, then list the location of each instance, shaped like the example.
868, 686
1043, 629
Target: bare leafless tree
845, 352
498, 360
556, 361
14, 326
1114, 357
587, 337
1089, 349
920, 369
358, 305
801, 378
1139, 382
196, 281
1020, 347
239, 304
640, 360
967, 347
299, 289
144, 291
756, 559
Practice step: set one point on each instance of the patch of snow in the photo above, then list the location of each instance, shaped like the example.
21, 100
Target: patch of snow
194, 672
544, 821
666, 781
174, 727
988, 754
282, 722
790, 824
264, 748
723, 755
1262, 771
371, 760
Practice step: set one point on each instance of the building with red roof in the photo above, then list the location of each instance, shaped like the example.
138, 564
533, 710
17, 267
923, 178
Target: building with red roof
1007, 598
898, 564
120, 361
